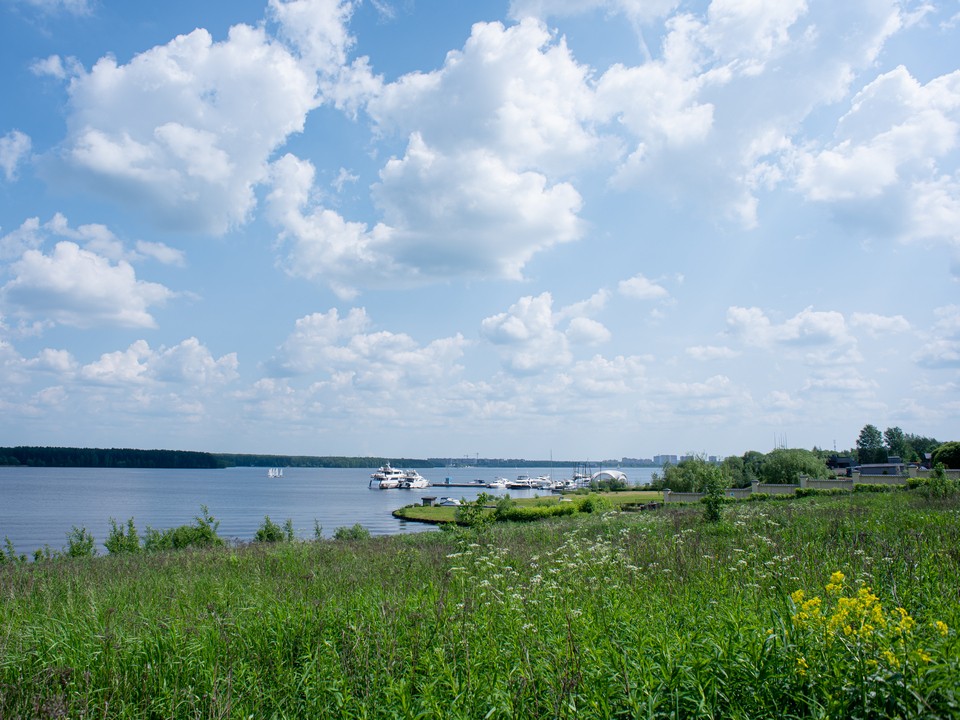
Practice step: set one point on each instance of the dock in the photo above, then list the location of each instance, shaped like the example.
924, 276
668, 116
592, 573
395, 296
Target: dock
447, 483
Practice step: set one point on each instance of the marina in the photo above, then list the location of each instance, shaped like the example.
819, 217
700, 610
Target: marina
41, 505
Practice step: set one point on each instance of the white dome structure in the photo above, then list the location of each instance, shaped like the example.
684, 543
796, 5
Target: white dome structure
608, 475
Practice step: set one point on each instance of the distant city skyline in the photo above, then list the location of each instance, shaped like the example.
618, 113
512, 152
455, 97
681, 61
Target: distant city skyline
597, 228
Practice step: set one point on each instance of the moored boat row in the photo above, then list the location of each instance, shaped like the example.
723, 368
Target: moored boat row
387, 478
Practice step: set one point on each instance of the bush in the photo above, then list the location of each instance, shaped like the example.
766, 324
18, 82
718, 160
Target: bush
203, 533
938, 485
9, 555
122, 542
528, 513
80, 543
474, 514
354, 532
713, 498
594, 504
269, 531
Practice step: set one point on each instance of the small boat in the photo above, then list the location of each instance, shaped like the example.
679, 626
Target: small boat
386, 477
498, 483
413, 479
448, 502
275, 472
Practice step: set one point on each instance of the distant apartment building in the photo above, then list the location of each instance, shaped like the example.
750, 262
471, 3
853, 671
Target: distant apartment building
665, 459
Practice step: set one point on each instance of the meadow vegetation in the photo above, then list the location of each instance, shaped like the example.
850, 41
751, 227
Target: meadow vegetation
823, 606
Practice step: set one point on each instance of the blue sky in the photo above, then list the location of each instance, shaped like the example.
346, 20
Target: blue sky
585, 228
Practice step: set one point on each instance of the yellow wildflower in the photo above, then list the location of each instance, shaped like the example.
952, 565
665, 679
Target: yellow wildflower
923, 656
836, 582
891, 658
797, 596
941, 627
906, 622
802, 665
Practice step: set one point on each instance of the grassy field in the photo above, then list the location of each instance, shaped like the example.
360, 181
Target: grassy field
817, 607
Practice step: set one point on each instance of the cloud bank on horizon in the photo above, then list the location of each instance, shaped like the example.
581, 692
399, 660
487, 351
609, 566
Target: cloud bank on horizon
591, 228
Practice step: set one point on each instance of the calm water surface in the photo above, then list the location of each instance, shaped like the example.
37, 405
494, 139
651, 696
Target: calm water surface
39, 506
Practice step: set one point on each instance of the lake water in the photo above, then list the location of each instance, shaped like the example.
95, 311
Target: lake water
39, 506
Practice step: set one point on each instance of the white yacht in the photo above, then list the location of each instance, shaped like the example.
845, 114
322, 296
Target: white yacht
386, 477
498, 483
522, 482
413, 479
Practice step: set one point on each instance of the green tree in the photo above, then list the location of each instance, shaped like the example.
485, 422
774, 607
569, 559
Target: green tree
870, 448
948, 455
784, 466
896, 442
920, 446
734, 472
713, 499
690, 475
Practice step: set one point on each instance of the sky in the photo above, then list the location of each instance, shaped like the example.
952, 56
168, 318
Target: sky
578, 229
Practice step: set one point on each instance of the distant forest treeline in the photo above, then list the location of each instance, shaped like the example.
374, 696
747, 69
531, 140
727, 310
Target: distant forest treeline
107, 458
184, 459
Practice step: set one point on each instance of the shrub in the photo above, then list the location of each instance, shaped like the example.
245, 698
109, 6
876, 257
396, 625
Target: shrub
713, 498
119, 541
269, 531
474, 514
9, 555
594, 504
80, 543
354, 532
938, 485
203, 533
508, 510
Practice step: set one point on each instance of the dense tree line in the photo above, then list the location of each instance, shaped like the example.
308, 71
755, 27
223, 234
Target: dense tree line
876, 447
782, 465
106, 458
309, 461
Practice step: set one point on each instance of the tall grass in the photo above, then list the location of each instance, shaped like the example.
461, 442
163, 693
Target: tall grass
640, 615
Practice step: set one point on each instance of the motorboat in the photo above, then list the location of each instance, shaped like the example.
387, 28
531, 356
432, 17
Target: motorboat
498, 483
386, 477
522, 482
412, 480
542, 482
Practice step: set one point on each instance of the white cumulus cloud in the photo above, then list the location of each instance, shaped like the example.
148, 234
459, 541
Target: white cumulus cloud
73, 286
186, 129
